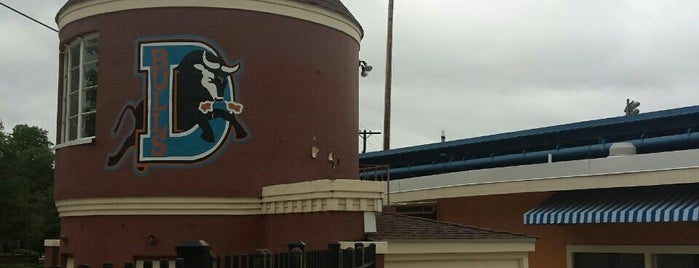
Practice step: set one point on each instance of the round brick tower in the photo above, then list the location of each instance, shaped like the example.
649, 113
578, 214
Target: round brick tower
229, 121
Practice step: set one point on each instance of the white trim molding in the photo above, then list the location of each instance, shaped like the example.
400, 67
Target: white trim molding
457, 246
302, 197
298, 10
323, 195
75, 142
158, 206
52, 242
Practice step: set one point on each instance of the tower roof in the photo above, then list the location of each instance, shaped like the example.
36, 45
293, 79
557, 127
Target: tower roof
332, 5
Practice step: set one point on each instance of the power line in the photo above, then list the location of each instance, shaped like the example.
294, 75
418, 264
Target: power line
372, 144
365, 134
28, 17
366, 138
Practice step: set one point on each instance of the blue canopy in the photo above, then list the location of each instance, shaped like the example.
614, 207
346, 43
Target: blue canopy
668, 203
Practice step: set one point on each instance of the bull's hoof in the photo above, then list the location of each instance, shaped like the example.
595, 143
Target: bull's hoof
240, 133
207, 136
112, 161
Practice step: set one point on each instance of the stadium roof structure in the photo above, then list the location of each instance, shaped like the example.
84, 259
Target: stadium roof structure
667, 130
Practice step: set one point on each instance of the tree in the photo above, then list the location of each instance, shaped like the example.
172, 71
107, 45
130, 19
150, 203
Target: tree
26, 188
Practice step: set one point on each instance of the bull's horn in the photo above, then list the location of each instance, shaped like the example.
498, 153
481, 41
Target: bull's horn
209, 64
230, 70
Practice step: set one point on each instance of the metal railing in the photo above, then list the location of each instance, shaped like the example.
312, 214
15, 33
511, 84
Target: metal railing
377, 173
193, 255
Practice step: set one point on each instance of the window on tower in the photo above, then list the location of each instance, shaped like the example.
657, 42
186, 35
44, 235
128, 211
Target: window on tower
80, 90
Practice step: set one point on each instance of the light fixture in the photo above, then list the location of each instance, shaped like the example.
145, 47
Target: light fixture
631, 107
366, 68
152, 240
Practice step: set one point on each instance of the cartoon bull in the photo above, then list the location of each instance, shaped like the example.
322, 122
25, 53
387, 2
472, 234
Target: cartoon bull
198, 96
201, 81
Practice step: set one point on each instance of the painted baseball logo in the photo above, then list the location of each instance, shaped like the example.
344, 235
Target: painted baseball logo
188, 109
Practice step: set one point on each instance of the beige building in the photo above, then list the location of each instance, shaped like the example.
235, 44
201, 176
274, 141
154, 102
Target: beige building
419, 242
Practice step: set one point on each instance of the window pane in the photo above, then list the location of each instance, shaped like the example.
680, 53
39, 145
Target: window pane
91, 50
676, 261
74, 78
90, 74
72, 128
90, 99
73, 104
81, 77
74, 55
88, 127
607, 260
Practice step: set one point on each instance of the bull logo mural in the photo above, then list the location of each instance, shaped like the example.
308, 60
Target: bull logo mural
189, 108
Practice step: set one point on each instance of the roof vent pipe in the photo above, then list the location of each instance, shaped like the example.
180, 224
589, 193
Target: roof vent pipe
622, 148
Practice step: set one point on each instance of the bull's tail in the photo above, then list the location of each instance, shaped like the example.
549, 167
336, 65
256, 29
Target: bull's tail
117, 126
130, 141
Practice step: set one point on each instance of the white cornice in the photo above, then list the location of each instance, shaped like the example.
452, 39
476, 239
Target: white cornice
304, 197
287, 8
323, 195
158, 206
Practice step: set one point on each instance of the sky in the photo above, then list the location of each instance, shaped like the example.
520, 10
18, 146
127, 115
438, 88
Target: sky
468, 67
29, 65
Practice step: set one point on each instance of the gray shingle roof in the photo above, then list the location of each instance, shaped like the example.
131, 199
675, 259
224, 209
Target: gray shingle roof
391, 226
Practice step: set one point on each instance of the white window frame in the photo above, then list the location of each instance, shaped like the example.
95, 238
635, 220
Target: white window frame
648, 251
65, 128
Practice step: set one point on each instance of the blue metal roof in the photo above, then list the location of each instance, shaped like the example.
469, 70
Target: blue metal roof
588, 139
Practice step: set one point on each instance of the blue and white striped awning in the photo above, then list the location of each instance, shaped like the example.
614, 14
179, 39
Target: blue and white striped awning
669, 203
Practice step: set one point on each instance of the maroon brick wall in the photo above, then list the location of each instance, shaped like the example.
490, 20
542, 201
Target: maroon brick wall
299, 89
299, 83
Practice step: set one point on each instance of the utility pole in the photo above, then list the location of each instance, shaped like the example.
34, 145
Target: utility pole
365, 134
387, 97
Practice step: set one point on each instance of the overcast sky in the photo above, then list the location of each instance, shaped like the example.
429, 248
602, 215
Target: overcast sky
29, 65
469, 67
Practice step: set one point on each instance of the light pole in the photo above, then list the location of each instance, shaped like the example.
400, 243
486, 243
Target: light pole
387, 96
631, 107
